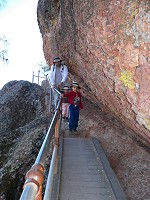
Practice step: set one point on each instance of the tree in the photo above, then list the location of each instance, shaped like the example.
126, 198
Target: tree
44, 66
3, 49
3, 40
2, 3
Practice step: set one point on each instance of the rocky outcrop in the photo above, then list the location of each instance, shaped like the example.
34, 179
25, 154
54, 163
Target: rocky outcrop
22, 130
19, 104
106, 47
20, 144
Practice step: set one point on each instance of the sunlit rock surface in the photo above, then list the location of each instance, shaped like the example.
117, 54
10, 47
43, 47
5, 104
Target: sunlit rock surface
106, 47
105, 44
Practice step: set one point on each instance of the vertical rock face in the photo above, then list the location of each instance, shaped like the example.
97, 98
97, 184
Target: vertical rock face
106, 45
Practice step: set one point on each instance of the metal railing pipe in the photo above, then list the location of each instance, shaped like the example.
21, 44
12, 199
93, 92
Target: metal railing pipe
33, 77
54, 162
57, 91
49, 184
29, 192
33, 184
46, 143
35, 176
51, 99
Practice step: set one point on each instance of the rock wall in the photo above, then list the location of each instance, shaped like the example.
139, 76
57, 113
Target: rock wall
20, 102
22, 130
105, 44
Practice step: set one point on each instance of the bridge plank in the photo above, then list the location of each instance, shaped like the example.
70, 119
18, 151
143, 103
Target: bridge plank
83, 175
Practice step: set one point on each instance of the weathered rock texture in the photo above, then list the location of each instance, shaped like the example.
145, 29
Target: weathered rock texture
22, 130
19, 104
105, 44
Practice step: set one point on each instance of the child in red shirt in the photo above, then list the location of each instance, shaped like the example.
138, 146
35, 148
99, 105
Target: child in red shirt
74, 99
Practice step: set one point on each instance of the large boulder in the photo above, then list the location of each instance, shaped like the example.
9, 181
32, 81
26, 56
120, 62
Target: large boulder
106, 47
20, 102
22, 129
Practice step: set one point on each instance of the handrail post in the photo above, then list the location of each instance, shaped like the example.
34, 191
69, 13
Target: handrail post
34, 176
57, 132
56, 142
54, 161
50, 101
38, 76
33, 77
57, 135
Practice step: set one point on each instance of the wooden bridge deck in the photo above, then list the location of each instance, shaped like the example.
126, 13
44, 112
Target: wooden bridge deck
86, 173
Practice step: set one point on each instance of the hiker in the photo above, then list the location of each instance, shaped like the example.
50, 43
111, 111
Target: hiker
65, 103
58, 77
74, 99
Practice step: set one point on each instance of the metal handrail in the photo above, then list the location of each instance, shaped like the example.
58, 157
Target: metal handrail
35, 176
49, 184
46, 143
53, 167
38, 76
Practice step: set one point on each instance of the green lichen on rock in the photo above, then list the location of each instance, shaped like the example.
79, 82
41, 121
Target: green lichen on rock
147, 124
127, 79
54, 22
134, 10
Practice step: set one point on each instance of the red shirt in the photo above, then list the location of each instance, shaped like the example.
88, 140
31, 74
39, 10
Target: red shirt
71, 96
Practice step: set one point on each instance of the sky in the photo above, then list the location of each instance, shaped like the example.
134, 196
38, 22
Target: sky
18, 22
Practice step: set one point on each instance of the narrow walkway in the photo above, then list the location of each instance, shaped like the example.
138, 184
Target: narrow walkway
83, 175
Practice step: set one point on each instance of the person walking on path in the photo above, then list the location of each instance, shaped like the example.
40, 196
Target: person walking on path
74, 99
65, 103
58, 77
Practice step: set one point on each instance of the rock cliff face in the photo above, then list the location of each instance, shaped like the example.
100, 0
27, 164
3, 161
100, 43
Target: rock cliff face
19, 104
105, 44
22, 130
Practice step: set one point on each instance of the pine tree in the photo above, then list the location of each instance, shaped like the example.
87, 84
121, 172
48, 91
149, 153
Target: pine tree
3, 49
3, 40
44, 66
2, 3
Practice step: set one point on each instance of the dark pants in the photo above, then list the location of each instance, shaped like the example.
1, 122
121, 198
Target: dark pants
73, 116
